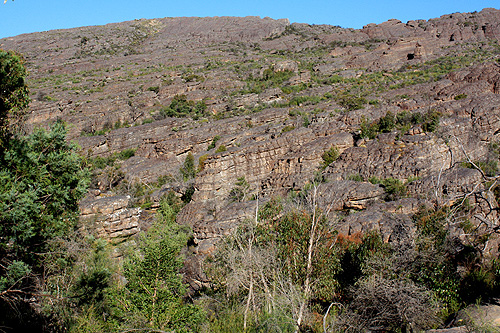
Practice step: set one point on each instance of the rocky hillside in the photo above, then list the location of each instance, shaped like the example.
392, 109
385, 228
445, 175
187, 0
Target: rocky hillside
387, 118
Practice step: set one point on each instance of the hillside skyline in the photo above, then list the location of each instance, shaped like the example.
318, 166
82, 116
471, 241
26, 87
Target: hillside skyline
28, 16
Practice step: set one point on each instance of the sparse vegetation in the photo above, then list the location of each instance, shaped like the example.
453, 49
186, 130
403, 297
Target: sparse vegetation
201, 162
240, 190
329, 156
213, 143
221, 149
99, 162
269, 79
402, 122
394, 188
303, 261
188, 170
180, 107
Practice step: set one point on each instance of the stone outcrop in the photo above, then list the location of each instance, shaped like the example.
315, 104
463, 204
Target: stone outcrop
110, 217
112, 85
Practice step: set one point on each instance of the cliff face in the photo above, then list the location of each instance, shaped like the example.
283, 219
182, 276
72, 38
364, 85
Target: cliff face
278, 96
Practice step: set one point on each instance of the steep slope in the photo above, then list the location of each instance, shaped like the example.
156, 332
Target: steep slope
415, 103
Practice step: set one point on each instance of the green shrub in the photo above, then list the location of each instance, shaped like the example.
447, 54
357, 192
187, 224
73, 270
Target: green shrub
375, 180
351, 102
221, 149
305, 121
188, 194
154, 89
329, 157
99, 162
127, 153
431, 121
240, 191
201, 162
269, 79
188, 170
152, 298
387, 123
401, 121
181, 107
357, 178
164, 179
368, 130
394, 189
489, 167
287, 128
213, 143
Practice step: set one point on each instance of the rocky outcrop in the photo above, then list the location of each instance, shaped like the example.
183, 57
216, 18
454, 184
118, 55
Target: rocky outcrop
110, 217
277, 96
389, 156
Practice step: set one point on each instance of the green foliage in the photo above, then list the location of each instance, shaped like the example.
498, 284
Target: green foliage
95, 277
460, 96
269, 79
153, 296
356, 251
435, 267
489, 167
181, 107
14, 272
387, 123
329, 156
394, 189
193, 78
287, 128
14, 94
213, 143
188, 194
295, 88
99, 162
305, 121
302, 100
431, 121
356, 177
351, 102
288, 259
188, 171
291, 236
41, 181
126, 154
221, 149
271, 209
227, 320
368, 130
201, 162
154, 89
401, 121
240, 190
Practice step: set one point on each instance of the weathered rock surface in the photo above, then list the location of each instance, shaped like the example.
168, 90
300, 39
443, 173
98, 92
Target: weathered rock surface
110, 217
111, 84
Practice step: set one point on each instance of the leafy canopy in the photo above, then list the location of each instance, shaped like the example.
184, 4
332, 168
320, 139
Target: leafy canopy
153, 296
41, 181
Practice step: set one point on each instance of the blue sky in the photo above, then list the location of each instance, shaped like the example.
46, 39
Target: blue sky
23, 16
